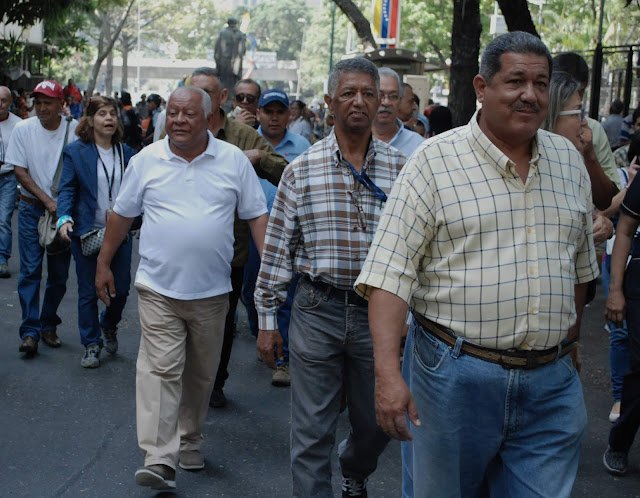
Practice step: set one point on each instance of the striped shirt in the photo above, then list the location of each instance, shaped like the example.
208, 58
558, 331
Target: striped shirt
322, 221
471, 247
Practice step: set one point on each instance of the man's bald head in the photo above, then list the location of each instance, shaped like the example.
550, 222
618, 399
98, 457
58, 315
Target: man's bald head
5, 102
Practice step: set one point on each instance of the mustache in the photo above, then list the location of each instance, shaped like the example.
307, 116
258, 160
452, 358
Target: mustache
523, 106
385, 108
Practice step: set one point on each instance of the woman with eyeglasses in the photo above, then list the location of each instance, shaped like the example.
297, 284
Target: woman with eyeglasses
91, 177
565, 116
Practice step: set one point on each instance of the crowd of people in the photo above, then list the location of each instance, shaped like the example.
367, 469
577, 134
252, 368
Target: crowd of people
351, 232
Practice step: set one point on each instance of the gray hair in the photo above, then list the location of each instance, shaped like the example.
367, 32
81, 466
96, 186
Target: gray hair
355, 65
206, 71
385, 71
516, 42
206, 100
561, 88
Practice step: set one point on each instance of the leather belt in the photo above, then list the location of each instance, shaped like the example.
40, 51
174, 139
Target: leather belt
346, 296
507, 358
31, 200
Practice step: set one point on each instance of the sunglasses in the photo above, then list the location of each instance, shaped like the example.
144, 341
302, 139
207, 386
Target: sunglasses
573, 112
246, 96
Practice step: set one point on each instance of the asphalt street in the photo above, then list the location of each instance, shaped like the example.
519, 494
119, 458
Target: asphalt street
69, 431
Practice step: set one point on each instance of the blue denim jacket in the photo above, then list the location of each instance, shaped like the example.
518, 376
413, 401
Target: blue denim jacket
79, 184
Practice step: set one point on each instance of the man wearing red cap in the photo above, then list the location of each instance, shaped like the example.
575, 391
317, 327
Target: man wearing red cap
35, 150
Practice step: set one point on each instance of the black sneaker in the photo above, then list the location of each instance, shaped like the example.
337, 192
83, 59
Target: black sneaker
218, 399
351, 488
110, 340
156, 477
615, 461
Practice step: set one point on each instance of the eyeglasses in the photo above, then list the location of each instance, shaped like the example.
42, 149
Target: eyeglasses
362, 219
573, 112
246, 96
393, 97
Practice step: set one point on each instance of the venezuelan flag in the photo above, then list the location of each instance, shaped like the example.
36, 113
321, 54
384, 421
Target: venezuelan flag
386, 21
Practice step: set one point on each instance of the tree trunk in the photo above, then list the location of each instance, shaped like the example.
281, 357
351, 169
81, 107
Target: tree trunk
126, 44
517, 16
105, 45
108, 76
363, 28
465, 48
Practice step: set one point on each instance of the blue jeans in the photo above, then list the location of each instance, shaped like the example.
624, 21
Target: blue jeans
487, 429
251, 269
330, 350
8, 190
618, 340
88, 323
32, 254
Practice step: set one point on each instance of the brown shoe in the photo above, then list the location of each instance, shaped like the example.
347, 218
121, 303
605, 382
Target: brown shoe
29, 346
50, 338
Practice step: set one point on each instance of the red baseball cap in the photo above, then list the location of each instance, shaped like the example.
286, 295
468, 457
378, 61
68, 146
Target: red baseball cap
49, 88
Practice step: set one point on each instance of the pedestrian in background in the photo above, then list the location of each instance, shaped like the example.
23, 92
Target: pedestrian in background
91, 179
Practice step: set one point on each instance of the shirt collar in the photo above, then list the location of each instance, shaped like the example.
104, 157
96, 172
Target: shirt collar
332, 143
167, 154
287, 137
492, 154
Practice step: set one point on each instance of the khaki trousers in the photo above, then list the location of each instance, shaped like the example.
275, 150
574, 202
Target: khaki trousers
177, 363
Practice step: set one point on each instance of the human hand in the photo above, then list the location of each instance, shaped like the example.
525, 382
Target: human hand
270, 345
615, 308
65, 230
254, 156
105, 285
246, 117
393, 401
51, 206
586, 139
602, 229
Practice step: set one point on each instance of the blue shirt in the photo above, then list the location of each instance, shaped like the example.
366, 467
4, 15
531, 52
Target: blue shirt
406, 141
291, 146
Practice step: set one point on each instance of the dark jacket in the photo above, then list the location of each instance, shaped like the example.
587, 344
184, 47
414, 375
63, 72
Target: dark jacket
79, 184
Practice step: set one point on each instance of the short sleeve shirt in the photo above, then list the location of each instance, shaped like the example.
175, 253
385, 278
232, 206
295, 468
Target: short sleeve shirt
186, 242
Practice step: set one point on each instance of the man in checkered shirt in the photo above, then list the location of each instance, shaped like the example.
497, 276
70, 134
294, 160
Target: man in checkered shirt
322, 223
487, 235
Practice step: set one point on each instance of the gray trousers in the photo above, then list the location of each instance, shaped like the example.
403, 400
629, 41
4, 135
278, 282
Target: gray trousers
330, 349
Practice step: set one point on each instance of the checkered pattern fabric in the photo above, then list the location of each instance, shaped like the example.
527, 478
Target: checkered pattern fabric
322, 222
471, 247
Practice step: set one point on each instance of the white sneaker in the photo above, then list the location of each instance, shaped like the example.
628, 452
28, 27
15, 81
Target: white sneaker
615, 412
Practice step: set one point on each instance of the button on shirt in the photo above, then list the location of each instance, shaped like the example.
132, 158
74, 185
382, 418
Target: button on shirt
473, 248
322, 222
186, 242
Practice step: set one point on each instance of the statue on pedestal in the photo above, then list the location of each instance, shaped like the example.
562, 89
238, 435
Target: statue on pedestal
228, 54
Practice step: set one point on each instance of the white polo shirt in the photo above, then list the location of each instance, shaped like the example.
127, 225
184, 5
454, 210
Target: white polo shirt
6, 129
186, 241
38, 150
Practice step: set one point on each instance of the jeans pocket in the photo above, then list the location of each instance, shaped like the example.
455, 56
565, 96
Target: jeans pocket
307, 297
568, 364
428, 350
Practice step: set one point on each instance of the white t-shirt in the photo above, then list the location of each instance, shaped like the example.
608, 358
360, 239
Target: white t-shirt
6, 128
38, 150
186, 240
114, 168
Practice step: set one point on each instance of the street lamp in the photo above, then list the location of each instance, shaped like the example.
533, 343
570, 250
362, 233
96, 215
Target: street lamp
302, 21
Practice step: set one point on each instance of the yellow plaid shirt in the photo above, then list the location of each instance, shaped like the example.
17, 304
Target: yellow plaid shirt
471, 247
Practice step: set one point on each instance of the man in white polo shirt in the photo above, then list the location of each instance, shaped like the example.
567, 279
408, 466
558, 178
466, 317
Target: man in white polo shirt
189, 186
35, 151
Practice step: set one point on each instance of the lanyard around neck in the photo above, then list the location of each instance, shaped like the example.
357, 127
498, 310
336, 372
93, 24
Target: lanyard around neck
367, 182
113, 171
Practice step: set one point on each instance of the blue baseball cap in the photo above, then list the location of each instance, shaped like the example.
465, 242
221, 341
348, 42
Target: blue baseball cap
273, 95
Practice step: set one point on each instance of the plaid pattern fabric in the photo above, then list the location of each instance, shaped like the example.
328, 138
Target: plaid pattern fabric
620, 156
472, 248
322, 221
